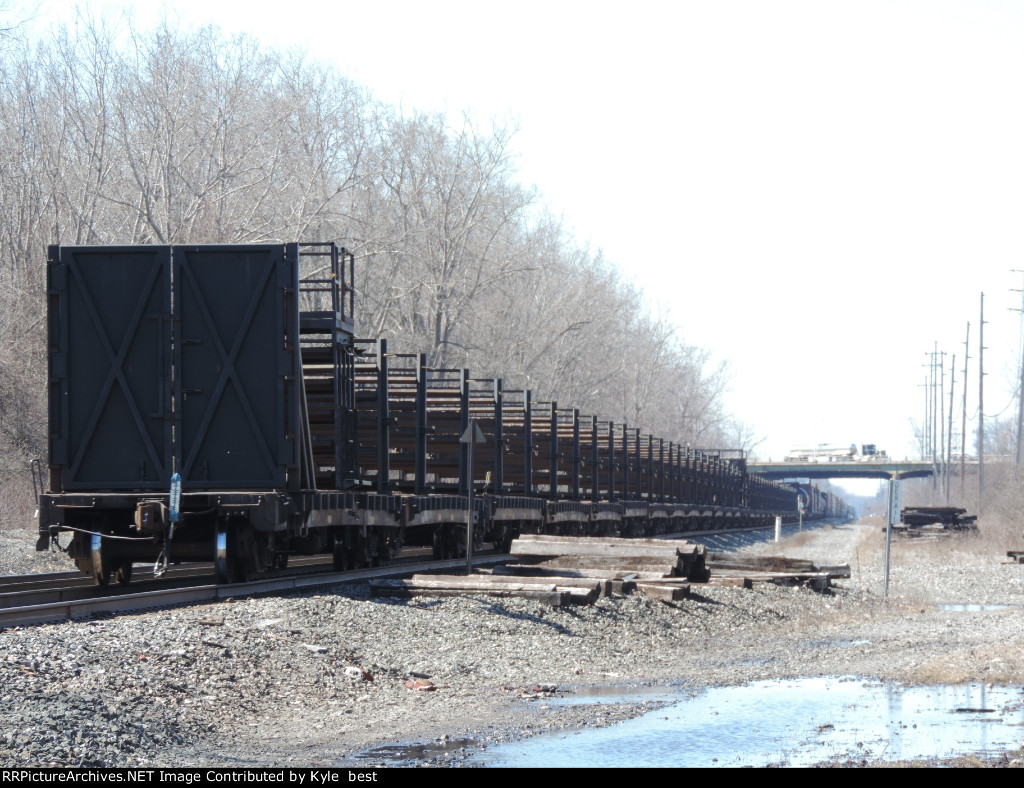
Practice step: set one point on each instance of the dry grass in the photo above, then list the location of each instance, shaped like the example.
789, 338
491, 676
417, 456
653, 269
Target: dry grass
1001, 524
939, 566
1000, 528
871, 540
998, 664
17, 505
803, 537
1001, 515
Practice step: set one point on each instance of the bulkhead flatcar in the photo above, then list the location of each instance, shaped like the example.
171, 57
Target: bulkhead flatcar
211, 402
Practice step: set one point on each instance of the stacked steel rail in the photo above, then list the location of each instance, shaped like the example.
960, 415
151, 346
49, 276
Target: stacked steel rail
542, 468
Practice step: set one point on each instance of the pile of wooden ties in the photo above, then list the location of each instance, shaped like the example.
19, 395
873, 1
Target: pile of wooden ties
565, 570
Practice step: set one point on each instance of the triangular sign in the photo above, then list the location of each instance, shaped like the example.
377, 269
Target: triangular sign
473, 434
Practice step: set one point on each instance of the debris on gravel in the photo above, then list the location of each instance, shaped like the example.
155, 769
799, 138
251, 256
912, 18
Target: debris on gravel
316, 678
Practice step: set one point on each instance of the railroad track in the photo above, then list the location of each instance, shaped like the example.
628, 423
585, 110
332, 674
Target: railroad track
71, 582
22, 590
60, 596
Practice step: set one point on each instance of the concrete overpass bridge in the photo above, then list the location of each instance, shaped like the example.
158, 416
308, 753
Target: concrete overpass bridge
885, 469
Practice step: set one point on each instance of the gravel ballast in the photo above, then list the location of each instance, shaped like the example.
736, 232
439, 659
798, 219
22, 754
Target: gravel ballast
276, 681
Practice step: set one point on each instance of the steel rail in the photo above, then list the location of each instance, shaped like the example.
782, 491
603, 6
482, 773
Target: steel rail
61, 581
120, 603
64, 582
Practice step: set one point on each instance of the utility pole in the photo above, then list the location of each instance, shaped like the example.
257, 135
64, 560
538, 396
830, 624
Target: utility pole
936, 437
936, 420
949, 444
929, 408
926, 430
942, 416
963, 422
981, 403
931, 405
1020, 391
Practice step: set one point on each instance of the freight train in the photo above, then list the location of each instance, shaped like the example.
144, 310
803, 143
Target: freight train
822, 504
212, 402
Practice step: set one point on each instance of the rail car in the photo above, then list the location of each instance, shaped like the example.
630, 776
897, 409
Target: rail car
212, 402
822, 504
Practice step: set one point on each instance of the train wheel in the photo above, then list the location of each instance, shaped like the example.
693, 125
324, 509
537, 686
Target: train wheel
447, 544
460, 537
440, 548
100, 563
373, 550
359, 553
123, 572
340, 554
220, 560
504, 542
385, 551
244, 560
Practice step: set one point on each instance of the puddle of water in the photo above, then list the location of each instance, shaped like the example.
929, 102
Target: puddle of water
836, 643
396, 754
795, 723
975, 608
754, 661
611, 693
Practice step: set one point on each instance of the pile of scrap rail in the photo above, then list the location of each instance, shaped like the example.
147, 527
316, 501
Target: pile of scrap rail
572, 570
730, 569
934, 522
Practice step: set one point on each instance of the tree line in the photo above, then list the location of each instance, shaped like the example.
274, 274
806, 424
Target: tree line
172, 135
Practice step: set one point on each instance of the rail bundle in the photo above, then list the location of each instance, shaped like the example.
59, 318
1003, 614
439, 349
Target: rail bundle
212, 401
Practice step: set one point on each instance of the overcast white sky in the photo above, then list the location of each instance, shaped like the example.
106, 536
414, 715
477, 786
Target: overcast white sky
817, 190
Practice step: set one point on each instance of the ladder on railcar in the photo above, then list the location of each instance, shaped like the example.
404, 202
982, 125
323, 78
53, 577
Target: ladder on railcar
326, 304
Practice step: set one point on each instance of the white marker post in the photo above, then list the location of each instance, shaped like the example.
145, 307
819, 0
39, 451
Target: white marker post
778, 527
893, 518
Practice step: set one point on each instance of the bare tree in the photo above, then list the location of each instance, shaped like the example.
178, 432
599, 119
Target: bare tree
112, 135
13, 19
451, 230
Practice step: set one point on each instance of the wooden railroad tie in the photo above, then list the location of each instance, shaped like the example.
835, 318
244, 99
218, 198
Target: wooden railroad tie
562, 571
670, 558
556, 594
547, 593
664, 593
